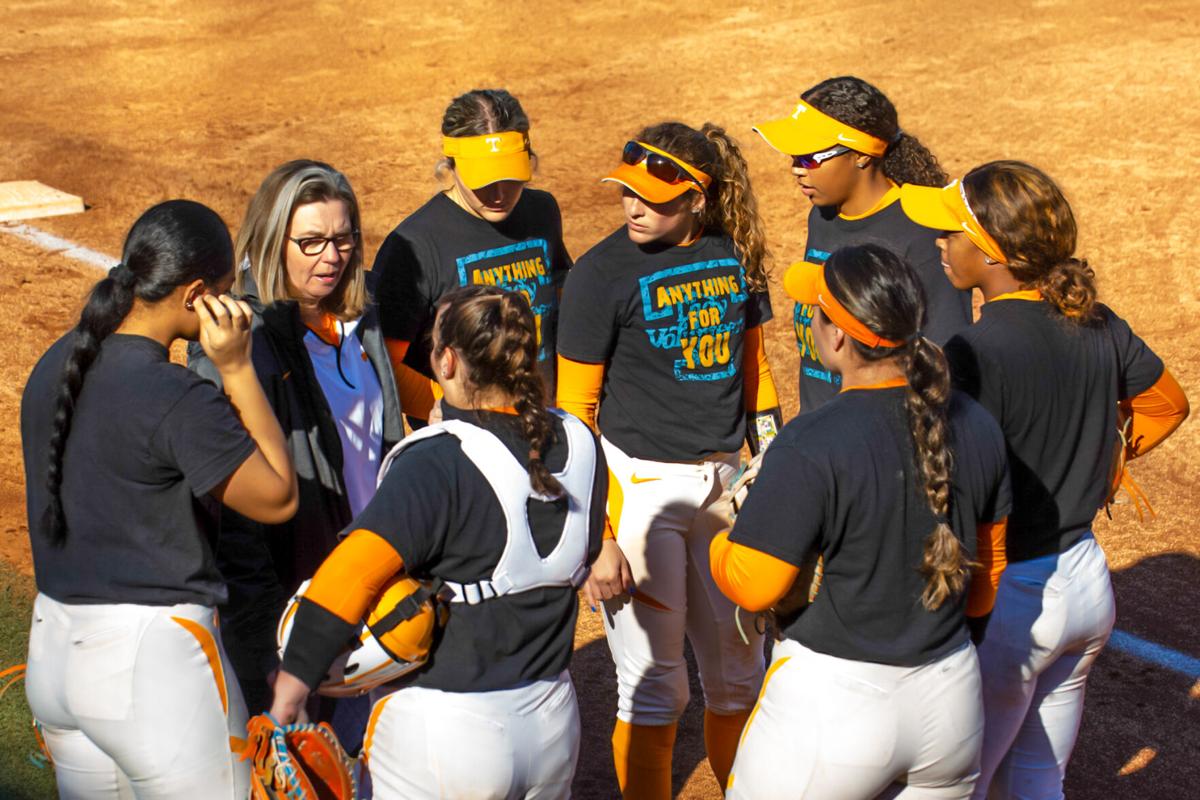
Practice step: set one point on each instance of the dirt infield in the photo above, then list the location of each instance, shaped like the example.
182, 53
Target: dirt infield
128, 104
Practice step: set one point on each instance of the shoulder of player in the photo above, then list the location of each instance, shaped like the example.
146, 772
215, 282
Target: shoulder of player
425, 221
610, 251
427, 457
538, 199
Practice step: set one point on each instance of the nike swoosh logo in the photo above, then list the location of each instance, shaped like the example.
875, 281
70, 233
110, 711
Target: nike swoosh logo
636, 479
844, 138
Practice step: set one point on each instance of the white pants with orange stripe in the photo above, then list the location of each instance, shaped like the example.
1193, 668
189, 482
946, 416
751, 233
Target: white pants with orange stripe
426, 744
835, 729
136, 702
665, 516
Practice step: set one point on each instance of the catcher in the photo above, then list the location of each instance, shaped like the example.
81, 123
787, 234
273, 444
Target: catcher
503, 501
899, 484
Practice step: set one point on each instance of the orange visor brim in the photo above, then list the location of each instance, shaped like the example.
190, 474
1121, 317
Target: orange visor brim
805, 283
635, 178
946, 209
490, 158
808, 130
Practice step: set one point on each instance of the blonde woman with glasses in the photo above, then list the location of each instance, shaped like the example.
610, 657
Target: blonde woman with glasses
319, 353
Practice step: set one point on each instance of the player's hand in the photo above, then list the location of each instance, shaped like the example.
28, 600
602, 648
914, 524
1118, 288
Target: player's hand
435, 413
609, 577
224, 331
290, 696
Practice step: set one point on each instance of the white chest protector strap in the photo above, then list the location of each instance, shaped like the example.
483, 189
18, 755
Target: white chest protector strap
520, 567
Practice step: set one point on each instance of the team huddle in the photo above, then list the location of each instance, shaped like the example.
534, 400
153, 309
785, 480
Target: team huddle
899, 595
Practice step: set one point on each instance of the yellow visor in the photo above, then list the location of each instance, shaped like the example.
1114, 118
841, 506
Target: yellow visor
489, 158
808, 130
637, 177
805, 283
947, 209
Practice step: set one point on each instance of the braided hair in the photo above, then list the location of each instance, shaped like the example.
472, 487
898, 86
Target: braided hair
493, 331
171, 245
883, 292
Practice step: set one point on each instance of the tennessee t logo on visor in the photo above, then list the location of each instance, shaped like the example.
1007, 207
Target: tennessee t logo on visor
490, 157
808, 130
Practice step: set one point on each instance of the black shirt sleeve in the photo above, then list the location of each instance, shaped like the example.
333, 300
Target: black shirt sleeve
588, 321
1138, 367
758, 310
783, 513
405, 298
599, 505
202, 437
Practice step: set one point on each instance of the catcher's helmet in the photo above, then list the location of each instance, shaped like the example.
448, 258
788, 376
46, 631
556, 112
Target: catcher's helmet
393, 640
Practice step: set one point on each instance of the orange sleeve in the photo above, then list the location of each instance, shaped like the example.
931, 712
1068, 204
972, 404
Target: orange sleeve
353, 574
1155, 414
417, 393
579, 386
758, 387
991, 538
750, 578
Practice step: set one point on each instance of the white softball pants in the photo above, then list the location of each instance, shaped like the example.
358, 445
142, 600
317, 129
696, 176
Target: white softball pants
834, 729
500, 745
136, 702
666, 514
1053, 616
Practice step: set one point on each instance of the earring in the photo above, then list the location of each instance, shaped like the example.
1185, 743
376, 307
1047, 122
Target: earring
990, 260
697, 210
189, 306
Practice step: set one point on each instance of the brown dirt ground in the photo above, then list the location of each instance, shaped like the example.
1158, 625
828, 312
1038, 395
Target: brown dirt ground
130, 103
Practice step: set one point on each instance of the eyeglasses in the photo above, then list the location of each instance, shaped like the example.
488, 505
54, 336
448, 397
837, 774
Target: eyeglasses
814, 160
659, 166
315, 245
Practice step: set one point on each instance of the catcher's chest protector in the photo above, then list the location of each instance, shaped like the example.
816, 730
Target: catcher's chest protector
520, 567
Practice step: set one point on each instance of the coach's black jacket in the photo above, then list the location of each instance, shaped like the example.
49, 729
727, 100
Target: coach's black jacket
263, 565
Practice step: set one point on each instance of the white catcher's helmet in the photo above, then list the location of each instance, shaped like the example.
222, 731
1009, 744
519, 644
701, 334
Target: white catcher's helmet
393, 640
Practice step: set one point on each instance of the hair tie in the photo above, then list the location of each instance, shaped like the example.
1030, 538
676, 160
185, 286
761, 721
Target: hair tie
916, 337
123, 276
899, 135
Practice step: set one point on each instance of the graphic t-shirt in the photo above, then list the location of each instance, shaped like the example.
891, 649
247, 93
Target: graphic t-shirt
441, 246
149, 440
948, 310
843, 480
1053, 386
669, 322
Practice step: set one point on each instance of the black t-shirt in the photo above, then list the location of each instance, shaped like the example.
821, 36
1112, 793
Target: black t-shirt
843, 480
948, 310
441, 246
442, 516
148, 441
1053, 386
669, 322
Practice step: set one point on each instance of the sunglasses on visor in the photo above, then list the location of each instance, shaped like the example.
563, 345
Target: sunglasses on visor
659, 166
814, 160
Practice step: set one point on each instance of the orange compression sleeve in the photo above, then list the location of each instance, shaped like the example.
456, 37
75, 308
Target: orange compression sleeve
579, 389
751, 578
417, 392
758, 387
1155, 414
353, 574
992, 540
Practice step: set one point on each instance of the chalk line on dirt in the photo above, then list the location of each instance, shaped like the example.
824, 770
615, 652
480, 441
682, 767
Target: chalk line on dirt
1125, 642
55, 244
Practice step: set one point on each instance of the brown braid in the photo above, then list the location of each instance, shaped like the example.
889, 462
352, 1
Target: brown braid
883, 292
493, 331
